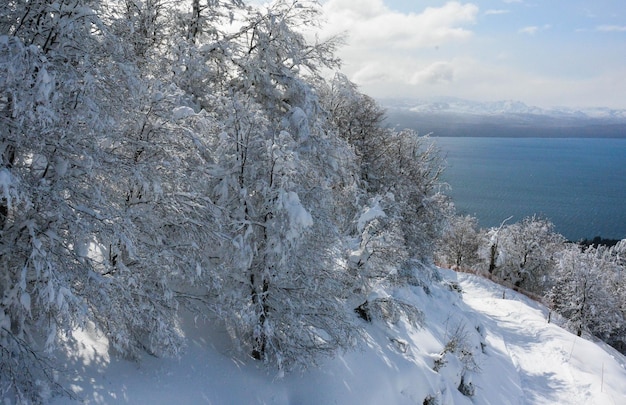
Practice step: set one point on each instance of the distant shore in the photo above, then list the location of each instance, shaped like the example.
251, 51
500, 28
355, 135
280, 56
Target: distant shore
505, 126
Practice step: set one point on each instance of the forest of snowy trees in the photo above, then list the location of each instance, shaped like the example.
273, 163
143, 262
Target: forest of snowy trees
163, 155
204, 156
584, 284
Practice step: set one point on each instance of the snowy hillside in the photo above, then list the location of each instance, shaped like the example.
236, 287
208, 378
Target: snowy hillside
493, 344
169, 157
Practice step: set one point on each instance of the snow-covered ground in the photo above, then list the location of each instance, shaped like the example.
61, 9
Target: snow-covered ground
504, 347
538, 362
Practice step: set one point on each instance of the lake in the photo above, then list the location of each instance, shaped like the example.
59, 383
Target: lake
579, 184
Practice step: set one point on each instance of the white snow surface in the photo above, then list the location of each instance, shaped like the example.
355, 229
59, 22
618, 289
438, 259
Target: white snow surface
523, 360
182, 112
370, 213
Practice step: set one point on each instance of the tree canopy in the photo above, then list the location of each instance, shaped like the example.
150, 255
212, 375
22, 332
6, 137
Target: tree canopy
162, 155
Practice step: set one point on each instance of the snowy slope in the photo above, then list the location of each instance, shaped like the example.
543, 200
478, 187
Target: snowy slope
539, 362
516, 358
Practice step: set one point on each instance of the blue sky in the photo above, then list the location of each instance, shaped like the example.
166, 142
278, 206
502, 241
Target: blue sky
542, 52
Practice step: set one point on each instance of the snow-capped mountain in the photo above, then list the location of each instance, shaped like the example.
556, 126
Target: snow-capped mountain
460, 118
451, 105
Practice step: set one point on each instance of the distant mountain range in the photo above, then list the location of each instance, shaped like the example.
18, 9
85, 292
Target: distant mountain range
457, 117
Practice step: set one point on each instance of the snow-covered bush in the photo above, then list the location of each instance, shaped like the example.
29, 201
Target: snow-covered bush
522, 253
587, 291
458, 359
458, 246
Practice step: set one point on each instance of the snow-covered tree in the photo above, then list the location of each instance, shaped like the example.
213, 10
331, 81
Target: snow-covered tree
581, 292
379, 249
403, 212
613, 328
526, 253
91, 188
411, 165
400, 165
277, 176
459, 243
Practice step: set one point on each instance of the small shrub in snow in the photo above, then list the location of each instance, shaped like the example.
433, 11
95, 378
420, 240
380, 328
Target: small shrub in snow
439, 362
459, 346
453, 286
466, 387
401, 344
430, 400
390, 310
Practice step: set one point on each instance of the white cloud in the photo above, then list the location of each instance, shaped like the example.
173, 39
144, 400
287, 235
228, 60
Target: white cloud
436, 73
533, 29
434, 52
588, 13
383, 45
611, 28
372, 73
497, 12
475, 79
370, 23
365, 8
604, 28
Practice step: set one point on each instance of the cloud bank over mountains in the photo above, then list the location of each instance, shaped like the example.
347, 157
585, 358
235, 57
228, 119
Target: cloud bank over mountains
544, 54
449, 116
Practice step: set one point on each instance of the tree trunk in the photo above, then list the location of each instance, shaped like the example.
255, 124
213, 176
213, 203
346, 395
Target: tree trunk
259, 300
260, 287
8, 159
492, 258
194, 26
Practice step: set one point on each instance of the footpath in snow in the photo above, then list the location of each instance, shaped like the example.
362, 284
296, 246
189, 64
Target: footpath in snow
550, 365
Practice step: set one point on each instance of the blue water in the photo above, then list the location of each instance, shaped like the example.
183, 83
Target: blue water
579, 184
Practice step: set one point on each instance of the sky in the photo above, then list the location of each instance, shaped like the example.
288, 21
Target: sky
546, 53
